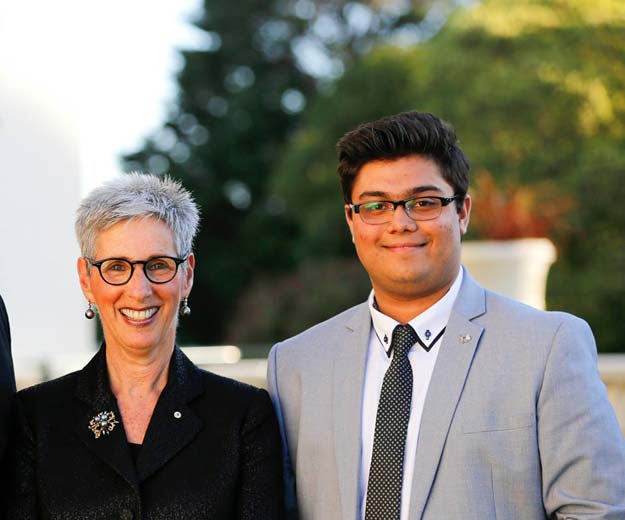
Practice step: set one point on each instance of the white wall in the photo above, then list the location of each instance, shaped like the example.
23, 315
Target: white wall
79, 84
39, 193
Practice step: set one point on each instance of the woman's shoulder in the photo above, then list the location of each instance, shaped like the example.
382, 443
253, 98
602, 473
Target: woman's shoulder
42, 393
226, 400
232, 396
48, 402
192, 379
228, 386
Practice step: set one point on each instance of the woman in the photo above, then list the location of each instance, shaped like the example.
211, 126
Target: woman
141, 432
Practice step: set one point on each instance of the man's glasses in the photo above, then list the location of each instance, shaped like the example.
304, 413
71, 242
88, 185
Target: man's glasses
418, 208
118, 271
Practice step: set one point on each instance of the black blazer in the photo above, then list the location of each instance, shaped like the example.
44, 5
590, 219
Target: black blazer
7, 380
211, 450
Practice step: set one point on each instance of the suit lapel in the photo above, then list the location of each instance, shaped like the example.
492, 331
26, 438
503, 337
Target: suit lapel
167, 433
348, 377
450, 373
94, 393
174, 424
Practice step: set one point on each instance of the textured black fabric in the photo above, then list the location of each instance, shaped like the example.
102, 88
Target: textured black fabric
7, 391
212, 450
391, 425
135, 449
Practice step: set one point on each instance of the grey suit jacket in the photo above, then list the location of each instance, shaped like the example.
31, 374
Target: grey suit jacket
516, 422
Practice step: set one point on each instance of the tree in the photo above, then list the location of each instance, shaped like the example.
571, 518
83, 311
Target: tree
534, 89
240, 98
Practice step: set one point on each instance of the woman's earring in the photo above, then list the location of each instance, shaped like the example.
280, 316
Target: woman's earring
185, 310
89, 313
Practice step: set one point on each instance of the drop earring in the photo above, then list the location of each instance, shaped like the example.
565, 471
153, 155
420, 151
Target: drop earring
89, 313
185, 310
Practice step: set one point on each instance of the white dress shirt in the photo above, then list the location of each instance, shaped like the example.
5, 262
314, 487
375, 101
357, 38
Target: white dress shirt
428, 326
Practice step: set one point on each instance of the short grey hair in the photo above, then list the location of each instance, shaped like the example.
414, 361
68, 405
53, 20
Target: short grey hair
137, 195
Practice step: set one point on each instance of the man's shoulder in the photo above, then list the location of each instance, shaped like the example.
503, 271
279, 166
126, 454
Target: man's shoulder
488, 307
318, 334
503, 310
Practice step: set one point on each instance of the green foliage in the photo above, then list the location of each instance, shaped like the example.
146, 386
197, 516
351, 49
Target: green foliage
588, 279
306, 177
534, 88
535, 91
239, 100
287, 304
221, 140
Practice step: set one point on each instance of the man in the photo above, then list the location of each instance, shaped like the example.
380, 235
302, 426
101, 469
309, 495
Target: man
7, 380
437, 399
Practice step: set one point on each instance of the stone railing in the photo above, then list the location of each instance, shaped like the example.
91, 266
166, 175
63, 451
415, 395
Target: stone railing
612, 370
226, 360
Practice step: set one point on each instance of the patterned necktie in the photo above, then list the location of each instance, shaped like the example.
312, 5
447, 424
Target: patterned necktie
391, 424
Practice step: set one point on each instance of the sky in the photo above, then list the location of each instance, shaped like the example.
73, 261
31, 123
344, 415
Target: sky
80, 84
108, 67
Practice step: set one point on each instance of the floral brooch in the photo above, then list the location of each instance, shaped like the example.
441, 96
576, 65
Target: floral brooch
103, 424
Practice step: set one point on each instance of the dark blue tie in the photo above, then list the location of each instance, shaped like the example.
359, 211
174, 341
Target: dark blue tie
391, 424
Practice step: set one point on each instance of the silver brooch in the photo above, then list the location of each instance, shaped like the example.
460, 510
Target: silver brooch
103, 424
464, 338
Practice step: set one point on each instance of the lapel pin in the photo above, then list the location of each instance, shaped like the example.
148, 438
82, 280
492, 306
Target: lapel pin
428, 334
103, 424
464, 338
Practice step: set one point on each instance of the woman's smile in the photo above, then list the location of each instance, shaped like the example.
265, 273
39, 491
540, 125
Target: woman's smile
139, 315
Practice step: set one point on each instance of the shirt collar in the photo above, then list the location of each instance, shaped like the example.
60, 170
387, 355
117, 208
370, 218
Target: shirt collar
428, 325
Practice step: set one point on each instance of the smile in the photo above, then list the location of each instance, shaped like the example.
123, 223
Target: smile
141, 315
404, 247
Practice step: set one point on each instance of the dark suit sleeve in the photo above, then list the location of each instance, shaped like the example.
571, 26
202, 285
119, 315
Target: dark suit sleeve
261, 488
22, 493
7, 379
7, 393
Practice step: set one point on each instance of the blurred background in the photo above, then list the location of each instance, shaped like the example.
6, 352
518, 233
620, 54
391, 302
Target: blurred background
244, 103
535, 89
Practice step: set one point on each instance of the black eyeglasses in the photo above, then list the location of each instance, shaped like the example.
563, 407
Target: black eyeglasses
118, 271
417, 208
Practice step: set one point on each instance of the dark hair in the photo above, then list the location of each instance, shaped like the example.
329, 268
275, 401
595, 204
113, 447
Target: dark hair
402, 135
